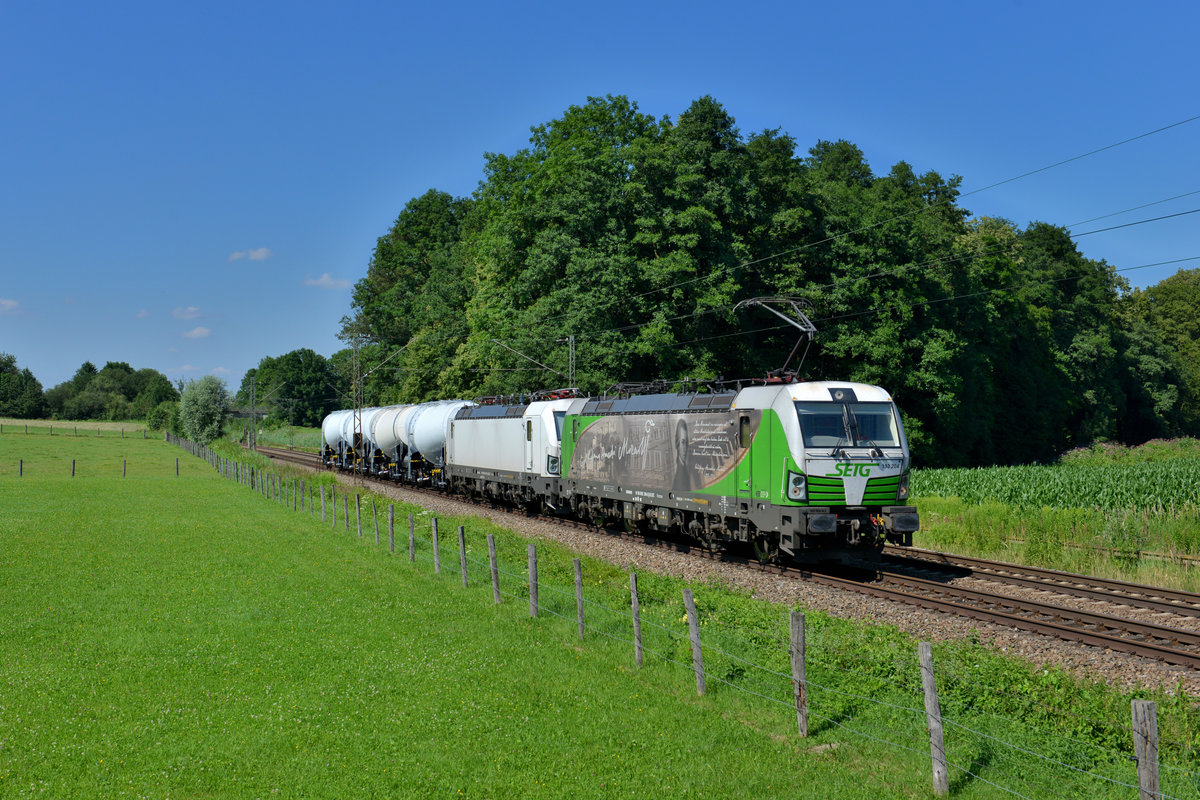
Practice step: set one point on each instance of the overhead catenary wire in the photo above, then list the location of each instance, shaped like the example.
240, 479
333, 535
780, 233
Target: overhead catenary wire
941, 261
930, 263
930, 206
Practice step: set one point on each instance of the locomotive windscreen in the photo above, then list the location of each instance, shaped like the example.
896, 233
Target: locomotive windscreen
826, 424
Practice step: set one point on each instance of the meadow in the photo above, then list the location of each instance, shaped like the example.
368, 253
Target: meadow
173, 635
1129, 513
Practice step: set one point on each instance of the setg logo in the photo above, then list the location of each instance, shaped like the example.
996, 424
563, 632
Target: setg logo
852, 470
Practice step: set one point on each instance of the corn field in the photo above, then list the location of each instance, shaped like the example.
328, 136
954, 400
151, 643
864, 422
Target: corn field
1160, 486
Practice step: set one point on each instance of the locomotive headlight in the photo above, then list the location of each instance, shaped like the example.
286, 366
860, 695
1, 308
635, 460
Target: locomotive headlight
902, 494
797, 489
552, 465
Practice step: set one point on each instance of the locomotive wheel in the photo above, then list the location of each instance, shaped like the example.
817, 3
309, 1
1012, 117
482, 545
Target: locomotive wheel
766, 550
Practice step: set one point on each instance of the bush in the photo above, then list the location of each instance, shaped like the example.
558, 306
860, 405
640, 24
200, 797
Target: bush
164, 416
203, 408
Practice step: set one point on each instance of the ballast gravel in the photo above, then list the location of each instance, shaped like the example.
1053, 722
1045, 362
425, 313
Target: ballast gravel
1120, 670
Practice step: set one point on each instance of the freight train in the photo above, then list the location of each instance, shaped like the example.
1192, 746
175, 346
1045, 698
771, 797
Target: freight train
797, 471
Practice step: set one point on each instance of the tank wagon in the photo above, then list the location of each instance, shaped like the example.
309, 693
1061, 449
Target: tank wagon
403, 442
798, 471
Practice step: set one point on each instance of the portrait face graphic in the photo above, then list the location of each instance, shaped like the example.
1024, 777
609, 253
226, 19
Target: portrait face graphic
681, 441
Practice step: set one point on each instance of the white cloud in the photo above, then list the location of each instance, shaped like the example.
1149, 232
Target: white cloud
326, 281
191, 312
189, 368
254, 254
8, 306
143, 314
199, 332
220, 371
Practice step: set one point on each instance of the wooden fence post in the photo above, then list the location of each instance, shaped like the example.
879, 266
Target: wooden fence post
437, 552
21, 468
303, 486
533, 587
637, 618
177, 467
694, 634
933, 713
375, 519
799, 676
1145, 747
346, 509
322, 504
579, 595
123, 463
392, 528
495, 569
72, 468
412, 541
358, 513
462, 553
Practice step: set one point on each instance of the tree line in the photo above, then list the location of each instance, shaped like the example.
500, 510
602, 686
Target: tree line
636, 237
630, 240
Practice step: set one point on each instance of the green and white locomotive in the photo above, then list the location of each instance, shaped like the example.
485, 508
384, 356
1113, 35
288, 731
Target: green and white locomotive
799, 471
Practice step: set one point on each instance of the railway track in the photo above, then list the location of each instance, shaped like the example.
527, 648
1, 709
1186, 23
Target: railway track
926, 579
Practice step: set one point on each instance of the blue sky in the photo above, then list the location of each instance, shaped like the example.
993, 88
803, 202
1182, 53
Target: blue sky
191, 188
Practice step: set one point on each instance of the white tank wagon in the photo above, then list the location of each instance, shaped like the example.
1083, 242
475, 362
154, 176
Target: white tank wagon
332, 444
426, 429
386, 435
509, 452
355, 440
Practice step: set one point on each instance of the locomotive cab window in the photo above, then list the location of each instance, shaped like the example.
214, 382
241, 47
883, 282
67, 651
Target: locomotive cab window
744, 430
529, 430
826, 424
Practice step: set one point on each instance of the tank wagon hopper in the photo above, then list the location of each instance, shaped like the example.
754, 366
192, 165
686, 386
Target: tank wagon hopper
509, 452
799, 471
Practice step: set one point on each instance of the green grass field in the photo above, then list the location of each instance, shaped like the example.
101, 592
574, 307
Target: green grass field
1121, 512
184, 636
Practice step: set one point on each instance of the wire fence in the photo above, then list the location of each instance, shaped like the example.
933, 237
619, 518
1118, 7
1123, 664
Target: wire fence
850, 690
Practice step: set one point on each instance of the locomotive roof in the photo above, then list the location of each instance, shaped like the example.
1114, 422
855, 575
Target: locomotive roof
491, 412
658, 403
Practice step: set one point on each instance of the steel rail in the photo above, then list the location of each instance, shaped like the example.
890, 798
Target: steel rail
1172, 601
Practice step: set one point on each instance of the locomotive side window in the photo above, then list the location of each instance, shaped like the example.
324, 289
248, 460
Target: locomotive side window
744, 431
529, 430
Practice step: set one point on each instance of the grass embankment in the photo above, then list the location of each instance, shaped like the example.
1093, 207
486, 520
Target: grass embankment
1129, 513
294, 437
185, 635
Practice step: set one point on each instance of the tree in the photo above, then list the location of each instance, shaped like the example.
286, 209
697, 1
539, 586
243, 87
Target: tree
1169, 308
203, 409
297, 388
20, 392
638, 236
